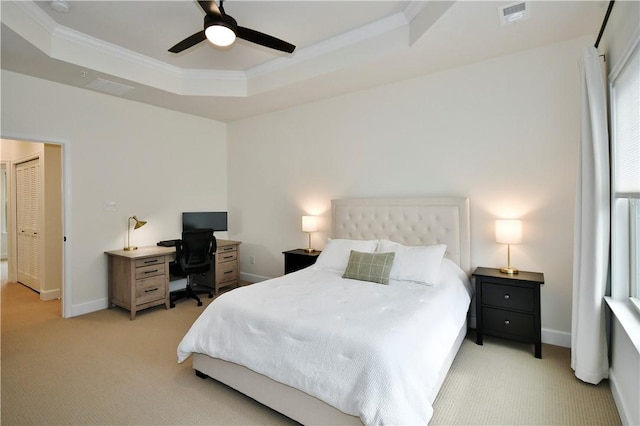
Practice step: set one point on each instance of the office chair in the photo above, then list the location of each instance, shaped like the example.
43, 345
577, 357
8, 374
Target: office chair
193, 256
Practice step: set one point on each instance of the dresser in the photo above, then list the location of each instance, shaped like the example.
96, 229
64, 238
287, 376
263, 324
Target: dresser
139, 279
508, 306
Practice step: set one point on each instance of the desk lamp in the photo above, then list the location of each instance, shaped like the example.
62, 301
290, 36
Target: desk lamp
138, 224
509, 232
309, 224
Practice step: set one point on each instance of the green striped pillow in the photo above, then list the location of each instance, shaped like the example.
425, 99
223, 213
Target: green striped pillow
374, 267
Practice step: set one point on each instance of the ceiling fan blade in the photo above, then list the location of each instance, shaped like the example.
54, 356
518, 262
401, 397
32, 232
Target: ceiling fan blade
210, 7
264, 39
188, 42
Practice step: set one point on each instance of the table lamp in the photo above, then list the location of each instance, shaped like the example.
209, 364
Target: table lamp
138, 224
309, 225
508, 231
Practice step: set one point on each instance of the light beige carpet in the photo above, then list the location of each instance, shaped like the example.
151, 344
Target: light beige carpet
102, 368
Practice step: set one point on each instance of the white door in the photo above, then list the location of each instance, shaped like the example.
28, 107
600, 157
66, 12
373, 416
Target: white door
28, 222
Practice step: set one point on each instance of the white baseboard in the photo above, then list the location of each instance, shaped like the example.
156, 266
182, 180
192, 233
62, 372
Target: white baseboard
556, 338
50, 295
252, 278
87, 308
471, 320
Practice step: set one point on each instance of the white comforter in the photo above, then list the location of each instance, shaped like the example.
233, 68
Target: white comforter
373, 351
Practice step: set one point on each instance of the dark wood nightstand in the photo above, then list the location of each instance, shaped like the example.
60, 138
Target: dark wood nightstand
297, 259
508, 306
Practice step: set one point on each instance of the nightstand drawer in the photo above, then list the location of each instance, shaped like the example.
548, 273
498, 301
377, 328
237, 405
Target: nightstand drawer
150, 271
506, 323
150, 289
506, 296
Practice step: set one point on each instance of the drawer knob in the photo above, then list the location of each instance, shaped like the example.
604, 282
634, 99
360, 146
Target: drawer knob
507, 322
507, 297
151, 290
151, 272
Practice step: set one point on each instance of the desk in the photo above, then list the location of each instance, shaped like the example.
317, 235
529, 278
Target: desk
139, 279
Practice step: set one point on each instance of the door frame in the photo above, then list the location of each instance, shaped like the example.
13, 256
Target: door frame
66, 290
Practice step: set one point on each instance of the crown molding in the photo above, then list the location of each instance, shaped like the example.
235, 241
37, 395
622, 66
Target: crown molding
326, 47
65, 44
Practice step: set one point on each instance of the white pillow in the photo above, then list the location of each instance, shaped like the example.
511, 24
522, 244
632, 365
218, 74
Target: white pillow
419, 264
335, 254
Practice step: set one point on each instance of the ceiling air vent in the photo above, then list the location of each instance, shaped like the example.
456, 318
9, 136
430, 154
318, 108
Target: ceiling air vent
110, 87
513, 13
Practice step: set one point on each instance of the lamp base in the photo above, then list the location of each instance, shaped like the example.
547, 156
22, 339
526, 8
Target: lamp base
130, 248
510, 271
309, 250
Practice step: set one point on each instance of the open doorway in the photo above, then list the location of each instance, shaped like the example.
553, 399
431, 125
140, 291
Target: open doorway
38, 193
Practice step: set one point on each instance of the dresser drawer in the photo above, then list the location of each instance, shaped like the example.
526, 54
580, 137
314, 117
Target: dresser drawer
149, 261
150, 271
510, 297
228, 256
225, 249
227, 271
150, 289
506, 323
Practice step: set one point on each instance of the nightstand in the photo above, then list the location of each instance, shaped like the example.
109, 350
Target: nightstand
297, 259
508, 306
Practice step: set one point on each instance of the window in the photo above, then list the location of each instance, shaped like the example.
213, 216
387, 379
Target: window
625, 182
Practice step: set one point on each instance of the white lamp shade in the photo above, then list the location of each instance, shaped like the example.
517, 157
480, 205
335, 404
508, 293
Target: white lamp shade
309, 223
508, 231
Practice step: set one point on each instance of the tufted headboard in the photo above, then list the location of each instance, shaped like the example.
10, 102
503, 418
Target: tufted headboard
410, 221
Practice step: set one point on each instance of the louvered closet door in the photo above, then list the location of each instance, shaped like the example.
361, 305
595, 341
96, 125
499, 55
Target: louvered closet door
28, 222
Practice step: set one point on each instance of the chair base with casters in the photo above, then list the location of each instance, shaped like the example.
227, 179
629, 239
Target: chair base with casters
194, 254
188, 293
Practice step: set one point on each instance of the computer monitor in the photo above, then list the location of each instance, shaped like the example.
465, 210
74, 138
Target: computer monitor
199, 220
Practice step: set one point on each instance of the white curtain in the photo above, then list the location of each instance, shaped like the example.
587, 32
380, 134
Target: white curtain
591, 241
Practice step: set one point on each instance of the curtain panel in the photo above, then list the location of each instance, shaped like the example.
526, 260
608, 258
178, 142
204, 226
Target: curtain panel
589, 357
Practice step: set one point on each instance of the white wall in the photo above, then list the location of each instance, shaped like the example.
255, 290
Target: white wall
503, 132
154, 163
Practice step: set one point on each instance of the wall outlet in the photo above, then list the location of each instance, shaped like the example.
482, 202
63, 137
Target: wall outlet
252, 260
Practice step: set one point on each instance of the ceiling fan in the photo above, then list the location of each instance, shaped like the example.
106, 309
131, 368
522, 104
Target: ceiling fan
222, 30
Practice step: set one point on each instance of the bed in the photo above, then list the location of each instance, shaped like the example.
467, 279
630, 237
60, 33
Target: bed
323, 349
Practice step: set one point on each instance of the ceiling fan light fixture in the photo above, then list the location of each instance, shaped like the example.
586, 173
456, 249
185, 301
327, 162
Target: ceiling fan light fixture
220, 34
222, 30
